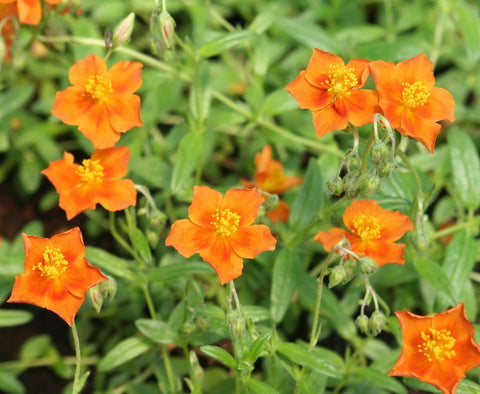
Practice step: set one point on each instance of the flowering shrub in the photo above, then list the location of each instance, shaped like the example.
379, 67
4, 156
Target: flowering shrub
143, 149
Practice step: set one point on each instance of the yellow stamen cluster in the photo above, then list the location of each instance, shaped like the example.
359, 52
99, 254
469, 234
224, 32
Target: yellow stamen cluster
367, 227
225, 222
53, 264
90, 172
437, 344
98, 86
414, 94
340, 79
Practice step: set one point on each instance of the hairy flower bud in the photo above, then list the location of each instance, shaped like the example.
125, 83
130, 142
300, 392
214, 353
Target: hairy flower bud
379, 152
337, 275
351, 186
386, 168
377, 322
367, 265
368, 183
271, 202
362, 323
335, 186
123, 31
350, 267
167, 28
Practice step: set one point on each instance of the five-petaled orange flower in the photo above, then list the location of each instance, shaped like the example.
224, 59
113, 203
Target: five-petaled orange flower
29, 11
57, 275
408, 99
96, 180
220, 229
101, 102
331, 90
437, 349
269, 177
373, 232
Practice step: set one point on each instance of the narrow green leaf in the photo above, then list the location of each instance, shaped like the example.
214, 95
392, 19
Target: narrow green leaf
123, 352
433, 274
469, 25
301, 356
459, 261
200, 95
278, 102
379, 379
284, 280
261, 22
225, 42
257, 348
156, 330
468, 387
10, 318
35, 347
172, 272
188, 154
10, 384
309, 198
219, 354
14, 98
109, 262
140, 243
257, 387
465, 166
256, 313
81, 382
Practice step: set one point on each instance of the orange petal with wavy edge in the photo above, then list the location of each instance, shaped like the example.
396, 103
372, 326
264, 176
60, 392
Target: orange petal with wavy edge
116, 195
330, 238
318, 66
81, 71
123, 112
307, 95
440, 105
249, 241
189, 238
70, 106
221, 256
126, 77
29, 11
418, 68
280, 214
77, 199
113, 160
359, 107
245, 203
381, 251
205, 202
387, 82
424, 131
361, 70
327, 120
62, 173
81, 272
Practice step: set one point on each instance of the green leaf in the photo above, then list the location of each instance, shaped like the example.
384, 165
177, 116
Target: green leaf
14, 98
156, 330
123, 352
469, 25
35, 347
278, 102
284, 281
459, 261
257, 348
29, 171
219, 354
10, 318
225, 42
309, 198
172, 272
433, 274
10, 384
465, 166
109, 262
257, 387
188, 155
379, 379
140, 243
200, 97
301, 356
81, 382
468, 387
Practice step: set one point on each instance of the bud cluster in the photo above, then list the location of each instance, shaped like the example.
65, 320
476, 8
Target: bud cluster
372, 325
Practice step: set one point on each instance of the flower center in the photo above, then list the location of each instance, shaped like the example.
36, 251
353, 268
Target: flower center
53, 264
98, 86
414, 94
90, 172
340, 79
367, 227
225, 222
437, 344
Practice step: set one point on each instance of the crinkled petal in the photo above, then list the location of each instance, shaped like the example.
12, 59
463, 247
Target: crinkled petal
359, 107
249, 241
307, 95
123, 112
328, 120
29, 11
126, 77
424, 131
71, 107
386, 79
189, 238
71, 245
80, 277
113, 160
62, 173
116, 195
96, 126
361, 70
244, 202
320, 63
418, 68
439, 106
380, 251
77, 199
205, 202
85, 68
331, 238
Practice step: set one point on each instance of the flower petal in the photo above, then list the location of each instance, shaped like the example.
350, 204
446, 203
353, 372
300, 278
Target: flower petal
126, 77
116, 195
113, 160
424, 131
85, 68
189, 238
418, 68
123, 112
245, 203
307, 95
319, 65
249, 241
327, 120
29, 11
330, 238
77, 199
62, 173
359, 107
380, 251
96, 126
70, 106
205, 202
280, 213
440, 105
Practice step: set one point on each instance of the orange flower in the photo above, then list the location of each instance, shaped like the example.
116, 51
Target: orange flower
8, 29
57, 276
269, 177
29, 11
373, 231
331, 90
408, 99
438, 349
96, 180
101, 102
220, 229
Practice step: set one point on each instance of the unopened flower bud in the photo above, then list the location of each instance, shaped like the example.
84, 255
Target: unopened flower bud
337, 275
377, 322
367, 265
95, 297
350, 267
123, 31
98, 293
157, 220
379, 152
153, 238
167, 28
271, 202
386, 169
108, 288
335, 186
362, 322
368, 183
350, 184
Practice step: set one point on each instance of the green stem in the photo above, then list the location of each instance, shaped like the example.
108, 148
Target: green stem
315, 333
119, 238
475, 221
367, 150
149, 301
78, 360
